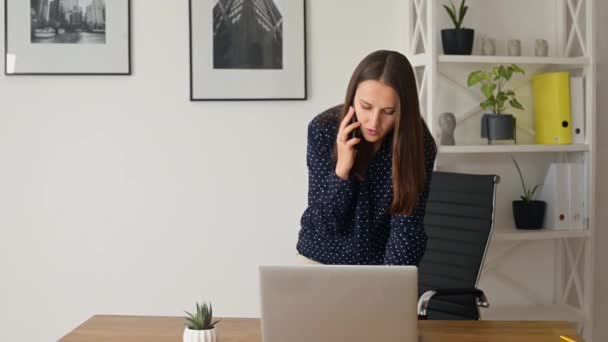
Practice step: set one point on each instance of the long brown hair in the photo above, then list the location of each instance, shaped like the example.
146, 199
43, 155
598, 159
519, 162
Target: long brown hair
408, 164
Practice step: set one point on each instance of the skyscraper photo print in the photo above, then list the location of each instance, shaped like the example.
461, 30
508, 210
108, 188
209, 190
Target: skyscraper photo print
247, 50
247, 35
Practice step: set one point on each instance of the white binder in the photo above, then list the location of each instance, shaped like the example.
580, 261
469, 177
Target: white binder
577, 109
564, 192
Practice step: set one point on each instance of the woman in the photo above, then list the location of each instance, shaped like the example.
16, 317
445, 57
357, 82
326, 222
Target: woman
370, 163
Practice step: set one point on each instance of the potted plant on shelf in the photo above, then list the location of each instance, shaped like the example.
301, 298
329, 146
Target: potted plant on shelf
199, 326
528, 213
459, 40
497, 125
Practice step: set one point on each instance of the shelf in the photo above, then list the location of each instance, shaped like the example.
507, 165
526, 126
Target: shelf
512, 148
576, 61
533, 313
541, 234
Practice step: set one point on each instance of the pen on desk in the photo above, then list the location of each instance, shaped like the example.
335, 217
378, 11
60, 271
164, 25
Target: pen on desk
567, 339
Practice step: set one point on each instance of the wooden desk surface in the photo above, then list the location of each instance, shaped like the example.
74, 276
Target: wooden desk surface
170, 329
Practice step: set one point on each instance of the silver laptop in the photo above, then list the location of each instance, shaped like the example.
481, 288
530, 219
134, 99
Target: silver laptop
304, 303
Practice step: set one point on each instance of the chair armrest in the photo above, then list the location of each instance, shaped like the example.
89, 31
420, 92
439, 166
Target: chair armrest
480, 298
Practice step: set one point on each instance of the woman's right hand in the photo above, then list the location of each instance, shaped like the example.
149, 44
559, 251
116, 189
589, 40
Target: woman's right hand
347, 150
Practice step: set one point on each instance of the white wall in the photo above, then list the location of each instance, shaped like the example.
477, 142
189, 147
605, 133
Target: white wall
600, 331
119, 196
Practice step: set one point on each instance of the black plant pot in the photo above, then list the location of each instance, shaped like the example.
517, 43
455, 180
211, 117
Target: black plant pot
498, 126
457, 41
529, 215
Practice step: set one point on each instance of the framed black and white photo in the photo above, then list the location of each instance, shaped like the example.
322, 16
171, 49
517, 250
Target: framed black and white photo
247, 50
67, 37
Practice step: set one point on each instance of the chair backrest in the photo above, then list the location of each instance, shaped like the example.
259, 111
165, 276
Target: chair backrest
458, 221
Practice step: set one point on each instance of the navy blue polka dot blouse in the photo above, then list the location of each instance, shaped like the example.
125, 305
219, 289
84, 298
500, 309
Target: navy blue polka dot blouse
348, 221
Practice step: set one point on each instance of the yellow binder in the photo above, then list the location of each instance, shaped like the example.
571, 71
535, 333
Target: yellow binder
552, 117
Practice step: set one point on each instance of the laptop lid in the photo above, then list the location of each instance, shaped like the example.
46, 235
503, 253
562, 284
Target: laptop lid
303, 303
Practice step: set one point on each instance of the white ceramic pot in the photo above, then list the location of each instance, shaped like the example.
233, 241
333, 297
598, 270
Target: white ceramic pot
541, 48
514, 47
488, 46
200, 335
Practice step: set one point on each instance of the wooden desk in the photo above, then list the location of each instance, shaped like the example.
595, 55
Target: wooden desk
170, 329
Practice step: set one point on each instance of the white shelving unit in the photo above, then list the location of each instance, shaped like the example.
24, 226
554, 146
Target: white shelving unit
512, 148
523, 235
423, 59
568, 25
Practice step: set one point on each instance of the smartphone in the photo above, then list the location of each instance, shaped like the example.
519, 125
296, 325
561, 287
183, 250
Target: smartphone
356, 132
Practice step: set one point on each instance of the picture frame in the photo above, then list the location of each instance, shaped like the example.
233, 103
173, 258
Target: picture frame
67, 37
247, 50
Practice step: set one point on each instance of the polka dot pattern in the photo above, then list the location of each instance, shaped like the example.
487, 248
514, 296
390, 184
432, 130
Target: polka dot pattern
347, 222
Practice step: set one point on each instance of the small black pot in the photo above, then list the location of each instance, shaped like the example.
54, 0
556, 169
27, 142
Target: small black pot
498, 126
529, 215
457, 41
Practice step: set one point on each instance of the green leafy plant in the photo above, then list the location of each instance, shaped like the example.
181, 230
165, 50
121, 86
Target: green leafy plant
528, 193
457, 18
202, 319
493, 87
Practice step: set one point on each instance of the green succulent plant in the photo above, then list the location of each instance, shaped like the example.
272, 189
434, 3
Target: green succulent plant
457, 17
202, 319
528, 193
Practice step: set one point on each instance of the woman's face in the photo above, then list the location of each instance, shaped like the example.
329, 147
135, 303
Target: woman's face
376, 106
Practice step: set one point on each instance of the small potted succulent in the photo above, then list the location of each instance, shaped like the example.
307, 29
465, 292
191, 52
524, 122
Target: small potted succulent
458, 40
199, 326
496, 125
528, 213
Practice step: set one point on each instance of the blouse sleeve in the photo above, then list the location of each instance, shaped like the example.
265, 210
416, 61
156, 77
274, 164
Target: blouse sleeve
330, 198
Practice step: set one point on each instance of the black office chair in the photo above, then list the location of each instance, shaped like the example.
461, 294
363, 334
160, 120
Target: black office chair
458, 221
